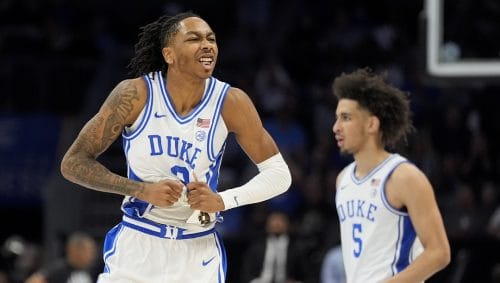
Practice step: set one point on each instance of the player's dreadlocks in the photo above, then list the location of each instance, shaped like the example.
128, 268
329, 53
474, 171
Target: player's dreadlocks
153, 37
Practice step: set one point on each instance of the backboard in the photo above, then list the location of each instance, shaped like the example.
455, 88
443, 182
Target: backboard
450, 54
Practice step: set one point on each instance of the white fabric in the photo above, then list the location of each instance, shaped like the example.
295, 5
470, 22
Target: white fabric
378, 240
142, 258
274, 266
79, 277
274, 178
161, 145
332, 268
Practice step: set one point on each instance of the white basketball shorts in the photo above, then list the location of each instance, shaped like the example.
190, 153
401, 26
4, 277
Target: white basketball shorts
164, 254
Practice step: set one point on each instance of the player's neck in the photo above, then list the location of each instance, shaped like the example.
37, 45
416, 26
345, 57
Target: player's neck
367, 160
185, 93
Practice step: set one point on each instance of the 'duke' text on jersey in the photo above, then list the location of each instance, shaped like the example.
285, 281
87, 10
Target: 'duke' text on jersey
356, 208
175, 147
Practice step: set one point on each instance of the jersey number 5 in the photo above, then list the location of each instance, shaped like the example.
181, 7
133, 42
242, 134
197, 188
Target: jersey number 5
356, 233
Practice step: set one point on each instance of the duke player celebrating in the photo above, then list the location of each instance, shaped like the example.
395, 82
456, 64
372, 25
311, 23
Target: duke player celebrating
391, 227
174, 119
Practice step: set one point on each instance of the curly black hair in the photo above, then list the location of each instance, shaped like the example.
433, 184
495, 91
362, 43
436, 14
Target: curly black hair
153, 37
388, 103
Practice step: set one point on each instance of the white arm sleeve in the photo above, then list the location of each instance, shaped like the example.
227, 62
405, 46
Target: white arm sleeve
273, 179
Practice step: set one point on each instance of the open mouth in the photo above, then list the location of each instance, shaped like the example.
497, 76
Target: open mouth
206, 60
340, 141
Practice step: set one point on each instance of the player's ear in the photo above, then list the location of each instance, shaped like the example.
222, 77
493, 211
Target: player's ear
168, 55
373, 124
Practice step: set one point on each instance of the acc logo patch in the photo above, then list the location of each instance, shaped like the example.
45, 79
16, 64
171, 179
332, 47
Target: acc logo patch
200, 135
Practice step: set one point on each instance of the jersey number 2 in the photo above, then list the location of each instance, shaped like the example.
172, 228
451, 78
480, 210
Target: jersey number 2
356, 232
183, 173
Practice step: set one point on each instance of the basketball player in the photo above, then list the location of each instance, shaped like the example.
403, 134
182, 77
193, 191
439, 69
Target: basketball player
391, 227
174, 119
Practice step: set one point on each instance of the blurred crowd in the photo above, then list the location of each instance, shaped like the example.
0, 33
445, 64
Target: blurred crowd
285, 54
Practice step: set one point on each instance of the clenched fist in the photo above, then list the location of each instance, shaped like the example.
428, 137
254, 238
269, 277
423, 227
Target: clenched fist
202, 198
162, 194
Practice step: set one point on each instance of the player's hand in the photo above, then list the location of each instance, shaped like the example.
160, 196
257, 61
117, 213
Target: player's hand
202, 198
163, 194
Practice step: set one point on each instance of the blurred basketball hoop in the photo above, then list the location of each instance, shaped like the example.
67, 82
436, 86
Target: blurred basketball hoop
451, 54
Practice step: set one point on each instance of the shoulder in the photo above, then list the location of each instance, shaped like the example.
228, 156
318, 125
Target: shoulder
406, 184
239, 112
407, 172
135, 87
127, 98
236, 96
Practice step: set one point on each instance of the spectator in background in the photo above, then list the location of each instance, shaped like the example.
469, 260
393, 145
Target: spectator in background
460, 213
489, 203
273, 86
495, 274
332, 269
494, 224
76, 266
18, 259
272, 259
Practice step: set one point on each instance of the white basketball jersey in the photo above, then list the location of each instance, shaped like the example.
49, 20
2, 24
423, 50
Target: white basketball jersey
378, 240
161, 145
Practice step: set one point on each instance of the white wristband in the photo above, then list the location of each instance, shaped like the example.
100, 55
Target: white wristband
274, 178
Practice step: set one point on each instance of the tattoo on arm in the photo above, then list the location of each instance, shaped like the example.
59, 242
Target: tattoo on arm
80, 165
121, 102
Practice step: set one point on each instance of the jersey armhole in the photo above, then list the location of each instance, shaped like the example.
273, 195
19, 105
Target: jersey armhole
133, 130
383, 194
217, 118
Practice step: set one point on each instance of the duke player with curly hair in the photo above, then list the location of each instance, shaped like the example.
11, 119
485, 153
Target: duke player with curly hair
391, 227
173, 118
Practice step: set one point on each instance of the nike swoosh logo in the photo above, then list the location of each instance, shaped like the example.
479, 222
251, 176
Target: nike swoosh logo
205, 263
159, 115
236, 201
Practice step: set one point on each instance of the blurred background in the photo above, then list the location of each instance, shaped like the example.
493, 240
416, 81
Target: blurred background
59, 60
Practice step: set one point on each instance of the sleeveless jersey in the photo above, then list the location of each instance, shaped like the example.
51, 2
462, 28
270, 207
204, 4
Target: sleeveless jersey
378, 240
161, 145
